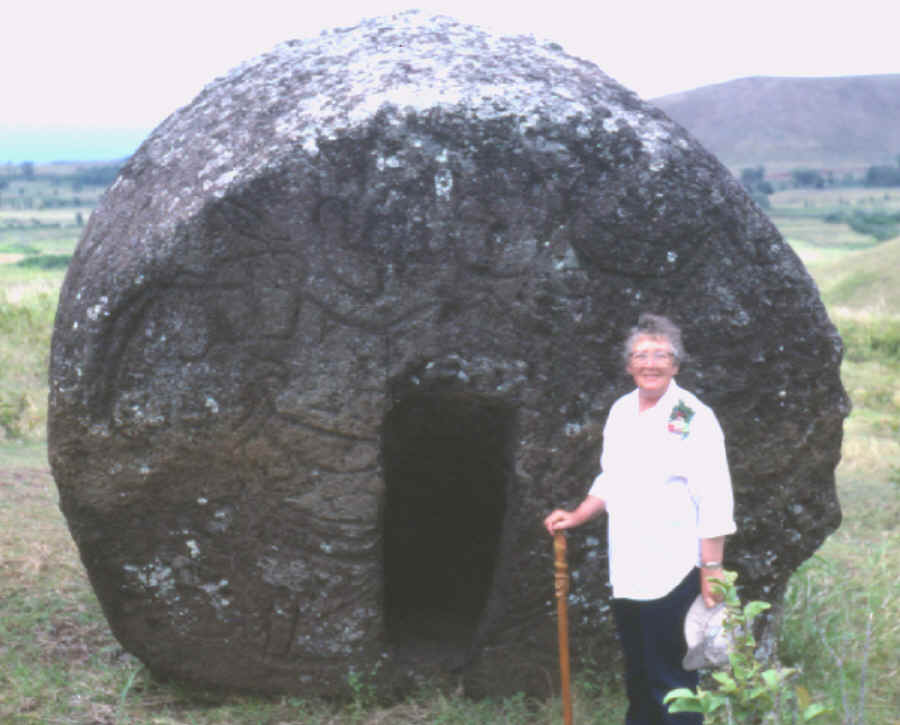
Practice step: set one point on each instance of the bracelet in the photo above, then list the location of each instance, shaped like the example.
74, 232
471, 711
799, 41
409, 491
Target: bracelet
712, 565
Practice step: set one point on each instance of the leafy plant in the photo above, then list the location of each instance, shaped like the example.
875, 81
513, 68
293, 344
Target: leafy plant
363, 689
748, 691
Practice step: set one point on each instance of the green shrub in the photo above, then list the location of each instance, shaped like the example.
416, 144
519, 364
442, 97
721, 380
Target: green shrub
879, 224
882, 176
808, 178
45, 261
747, 691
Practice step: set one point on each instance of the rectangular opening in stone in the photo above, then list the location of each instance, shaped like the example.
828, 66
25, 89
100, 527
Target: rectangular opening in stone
447, 462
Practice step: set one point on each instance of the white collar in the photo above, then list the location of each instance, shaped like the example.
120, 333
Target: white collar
666, 401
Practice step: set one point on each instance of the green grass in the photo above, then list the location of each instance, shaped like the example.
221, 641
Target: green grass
863, 285
23, 454
842, 606
32, 266
38, 240
26, 321
60, 664
838, 199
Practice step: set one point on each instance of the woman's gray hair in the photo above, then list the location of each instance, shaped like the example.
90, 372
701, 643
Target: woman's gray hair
655, 326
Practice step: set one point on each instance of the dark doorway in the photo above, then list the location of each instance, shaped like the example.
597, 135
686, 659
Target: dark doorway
447, 461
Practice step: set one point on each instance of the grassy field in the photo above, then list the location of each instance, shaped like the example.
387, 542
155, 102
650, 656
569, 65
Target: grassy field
843, 606
60, 664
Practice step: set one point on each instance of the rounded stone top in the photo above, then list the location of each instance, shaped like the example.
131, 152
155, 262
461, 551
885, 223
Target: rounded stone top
305, 93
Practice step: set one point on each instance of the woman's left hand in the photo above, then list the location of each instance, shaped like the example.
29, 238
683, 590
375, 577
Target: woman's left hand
707, 587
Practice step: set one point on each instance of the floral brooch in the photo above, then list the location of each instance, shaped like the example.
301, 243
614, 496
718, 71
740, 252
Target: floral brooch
680, 420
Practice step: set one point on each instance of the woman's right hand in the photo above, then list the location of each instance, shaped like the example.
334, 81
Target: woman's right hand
558, 520
561, 519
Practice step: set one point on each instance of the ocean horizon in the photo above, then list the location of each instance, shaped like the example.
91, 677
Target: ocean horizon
44, 145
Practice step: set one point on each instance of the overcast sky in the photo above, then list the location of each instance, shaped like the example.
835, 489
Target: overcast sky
120, 64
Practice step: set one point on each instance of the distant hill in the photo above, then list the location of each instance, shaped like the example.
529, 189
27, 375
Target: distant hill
846, 122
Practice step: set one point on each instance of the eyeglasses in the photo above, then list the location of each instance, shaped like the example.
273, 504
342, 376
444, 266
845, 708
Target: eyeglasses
657, 356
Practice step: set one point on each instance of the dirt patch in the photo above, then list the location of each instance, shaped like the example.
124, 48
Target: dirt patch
36, 548
21, 483
77, 636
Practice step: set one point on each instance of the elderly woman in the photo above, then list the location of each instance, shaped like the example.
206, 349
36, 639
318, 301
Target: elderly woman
666, 489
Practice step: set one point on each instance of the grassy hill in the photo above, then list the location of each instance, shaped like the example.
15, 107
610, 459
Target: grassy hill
863, 284
842, 123
858, 276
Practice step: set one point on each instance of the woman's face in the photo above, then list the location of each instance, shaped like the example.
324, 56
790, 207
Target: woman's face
652, 365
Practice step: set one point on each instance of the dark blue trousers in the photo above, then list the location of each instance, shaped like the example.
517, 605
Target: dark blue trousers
652, 637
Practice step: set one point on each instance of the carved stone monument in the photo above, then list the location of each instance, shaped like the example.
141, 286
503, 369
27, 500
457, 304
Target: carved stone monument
347, 326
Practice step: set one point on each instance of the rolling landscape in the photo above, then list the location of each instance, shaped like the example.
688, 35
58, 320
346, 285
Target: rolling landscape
805, 148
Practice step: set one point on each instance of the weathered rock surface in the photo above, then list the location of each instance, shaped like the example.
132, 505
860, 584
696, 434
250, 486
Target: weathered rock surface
347, 326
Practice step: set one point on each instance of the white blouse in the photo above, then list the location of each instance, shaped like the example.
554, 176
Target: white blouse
666, 485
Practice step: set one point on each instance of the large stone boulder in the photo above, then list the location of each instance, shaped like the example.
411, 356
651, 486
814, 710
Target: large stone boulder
347, 326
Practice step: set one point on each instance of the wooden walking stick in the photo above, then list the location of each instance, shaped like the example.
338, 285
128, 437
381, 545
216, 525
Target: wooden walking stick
561, 579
